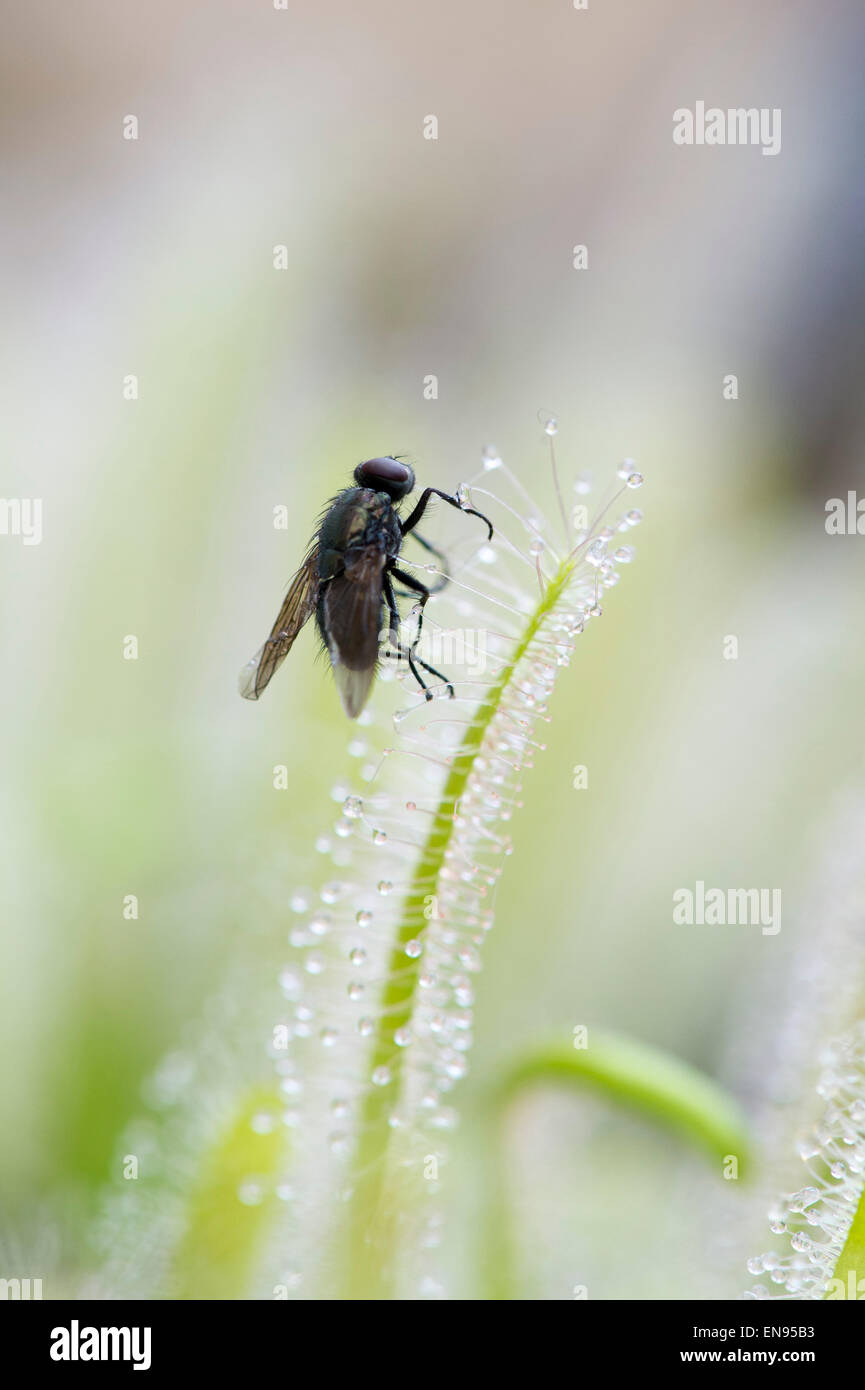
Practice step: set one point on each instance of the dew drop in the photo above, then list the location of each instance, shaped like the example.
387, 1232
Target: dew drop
490, 457
289, 983
806, 1148
352, 807
339, 1142
262, 1122
444, 1118
804, 1198
381, 1076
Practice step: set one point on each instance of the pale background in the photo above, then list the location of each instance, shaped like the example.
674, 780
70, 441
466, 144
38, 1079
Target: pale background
409, 257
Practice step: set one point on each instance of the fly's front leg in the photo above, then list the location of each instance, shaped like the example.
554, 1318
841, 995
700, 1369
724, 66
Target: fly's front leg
411, 522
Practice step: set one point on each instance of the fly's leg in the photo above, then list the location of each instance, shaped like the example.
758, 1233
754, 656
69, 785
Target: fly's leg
444, 578
423, 593
411, 522
408, 653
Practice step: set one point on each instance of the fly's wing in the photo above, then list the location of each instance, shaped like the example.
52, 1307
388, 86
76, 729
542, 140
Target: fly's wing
351, 621
298, 607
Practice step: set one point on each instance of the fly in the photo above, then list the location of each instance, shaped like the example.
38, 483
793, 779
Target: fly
346, 580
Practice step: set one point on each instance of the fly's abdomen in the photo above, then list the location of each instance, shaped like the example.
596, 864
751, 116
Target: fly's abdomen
349, 619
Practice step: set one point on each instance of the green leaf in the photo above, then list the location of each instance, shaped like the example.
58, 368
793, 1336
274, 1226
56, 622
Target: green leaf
661, 1086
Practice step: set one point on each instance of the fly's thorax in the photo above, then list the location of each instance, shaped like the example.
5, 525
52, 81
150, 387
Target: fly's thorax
360, 517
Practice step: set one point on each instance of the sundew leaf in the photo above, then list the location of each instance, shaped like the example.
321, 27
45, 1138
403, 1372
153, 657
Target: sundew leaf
824, 1220
848, 1276
379, 991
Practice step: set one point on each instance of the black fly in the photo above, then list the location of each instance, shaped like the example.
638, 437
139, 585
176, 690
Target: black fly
346, 580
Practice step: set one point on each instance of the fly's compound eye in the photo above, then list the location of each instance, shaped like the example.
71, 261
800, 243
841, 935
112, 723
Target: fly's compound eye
385, 475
